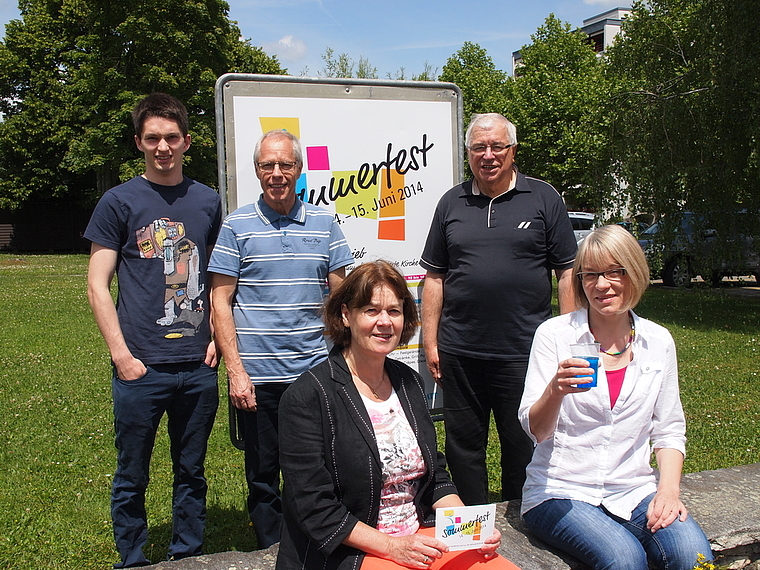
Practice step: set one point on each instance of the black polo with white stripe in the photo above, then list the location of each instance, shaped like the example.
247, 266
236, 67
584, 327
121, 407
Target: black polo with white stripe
497, 256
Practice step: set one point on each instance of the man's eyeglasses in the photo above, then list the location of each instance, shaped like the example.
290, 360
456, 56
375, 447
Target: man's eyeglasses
269, 166
495, 148
610, 275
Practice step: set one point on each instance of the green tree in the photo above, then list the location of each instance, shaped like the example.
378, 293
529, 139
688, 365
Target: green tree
557, 102
71, 71
336, 66
482, 85
687, 111
428, 73
365, 70
343, 65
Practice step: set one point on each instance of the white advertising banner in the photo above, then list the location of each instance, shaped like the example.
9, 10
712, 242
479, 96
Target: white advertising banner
379, 154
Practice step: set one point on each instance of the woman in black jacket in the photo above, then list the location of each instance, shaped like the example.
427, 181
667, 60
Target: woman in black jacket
361, 471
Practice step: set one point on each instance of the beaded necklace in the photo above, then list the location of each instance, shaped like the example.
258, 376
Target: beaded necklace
630, 337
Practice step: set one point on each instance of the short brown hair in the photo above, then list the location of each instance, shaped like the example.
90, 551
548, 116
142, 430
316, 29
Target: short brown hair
160, 105
617, 243
356, 291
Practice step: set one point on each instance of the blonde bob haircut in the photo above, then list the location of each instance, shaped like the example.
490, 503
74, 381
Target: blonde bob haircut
617, 243
356, 291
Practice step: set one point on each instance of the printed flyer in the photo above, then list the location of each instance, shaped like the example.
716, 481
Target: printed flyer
465, 528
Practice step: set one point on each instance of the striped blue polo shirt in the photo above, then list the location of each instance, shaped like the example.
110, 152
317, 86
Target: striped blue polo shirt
281, 263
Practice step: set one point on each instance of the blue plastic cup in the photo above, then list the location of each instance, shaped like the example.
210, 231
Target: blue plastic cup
590, 353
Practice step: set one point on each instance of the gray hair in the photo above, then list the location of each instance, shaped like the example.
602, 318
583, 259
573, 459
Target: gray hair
488, 120
297, 152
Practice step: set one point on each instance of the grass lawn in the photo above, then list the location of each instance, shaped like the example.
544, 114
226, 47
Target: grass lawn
57, 455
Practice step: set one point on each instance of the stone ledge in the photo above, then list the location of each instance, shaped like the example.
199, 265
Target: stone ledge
256, 560
724, 502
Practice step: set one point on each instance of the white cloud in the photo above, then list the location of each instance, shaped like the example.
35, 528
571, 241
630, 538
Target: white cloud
287, 49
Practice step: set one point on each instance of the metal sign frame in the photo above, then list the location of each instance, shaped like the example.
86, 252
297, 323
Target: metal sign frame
379, 153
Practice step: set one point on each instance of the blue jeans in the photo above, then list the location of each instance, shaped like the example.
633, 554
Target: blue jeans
188, 394
472, 388
262, 463
604, 541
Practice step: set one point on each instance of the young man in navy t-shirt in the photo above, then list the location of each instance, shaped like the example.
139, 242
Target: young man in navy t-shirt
155, 232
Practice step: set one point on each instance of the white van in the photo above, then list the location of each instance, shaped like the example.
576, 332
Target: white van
583, 223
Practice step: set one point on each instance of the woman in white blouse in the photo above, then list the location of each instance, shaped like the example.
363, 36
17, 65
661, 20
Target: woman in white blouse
590, 490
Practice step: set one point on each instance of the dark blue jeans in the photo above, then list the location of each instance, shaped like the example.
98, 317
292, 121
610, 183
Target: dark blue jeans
472, 388
188, 394
606, 542
262, 463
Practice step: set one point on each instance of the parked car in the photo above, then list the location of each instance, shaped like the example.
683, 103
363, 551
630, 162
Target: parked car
697, 250
583, 223
635, 228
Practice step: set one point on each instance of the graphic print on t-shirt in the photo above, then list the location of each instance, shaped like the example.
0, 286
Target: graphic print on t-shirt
164, 240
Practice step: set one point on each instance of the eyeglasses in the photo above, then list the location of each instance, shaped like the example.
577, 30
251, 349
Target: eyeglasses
269, 166
610, 275
495, 148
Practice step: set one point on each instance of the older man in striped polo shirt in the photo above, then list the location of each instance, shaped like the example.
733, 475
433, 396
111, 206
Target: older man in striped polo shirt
268, 272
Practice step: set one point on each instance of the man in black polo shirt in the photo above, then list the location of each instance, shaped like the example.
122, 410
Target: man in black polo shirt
492, 245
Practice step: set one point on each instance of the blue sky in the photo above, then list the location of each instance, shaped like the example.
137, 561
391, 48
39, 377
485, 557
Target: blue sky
392, 34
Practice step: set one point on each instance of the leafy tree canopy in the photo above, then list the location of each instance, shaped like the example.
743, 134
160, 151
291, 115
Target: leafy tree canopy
687, 109
556, 100
343, 65
72, 70
482, 85
428, 73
